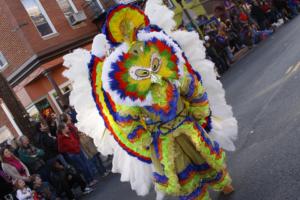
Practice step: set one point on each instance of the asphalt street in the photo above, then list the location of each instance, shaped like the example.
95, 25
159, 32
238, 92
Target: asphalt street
264, 91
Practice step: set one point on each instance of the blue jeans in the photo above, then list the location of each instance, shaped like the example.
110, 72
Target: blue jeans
96, 160
80, 162
229, 54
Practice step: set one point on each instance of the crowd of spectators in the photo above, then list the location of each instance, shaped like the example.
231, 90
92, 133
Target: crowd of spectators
56, 161
244, 26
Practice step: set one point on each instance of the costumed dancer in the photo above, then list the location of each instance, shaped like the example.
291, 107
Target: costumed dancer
160, 102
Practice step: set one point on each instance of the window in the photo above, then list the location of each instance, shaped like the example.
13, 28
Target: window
67, 7
39, 17
3, 61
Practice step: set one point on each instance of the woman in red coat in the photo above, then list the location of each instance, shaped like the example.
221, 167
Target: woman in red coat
69, 145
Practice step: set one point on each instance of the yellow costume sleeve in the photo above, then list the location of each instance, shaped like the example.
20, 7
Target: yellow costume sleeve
194, 93
131, 124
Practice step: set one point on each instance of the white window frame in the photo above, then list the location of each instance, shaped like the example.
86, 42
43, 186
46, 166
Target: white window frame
3, 60
100, 4
72, 5
47, 19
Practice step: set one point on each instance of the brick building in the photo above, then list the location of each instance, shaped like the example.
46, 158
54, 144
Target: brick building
35, 34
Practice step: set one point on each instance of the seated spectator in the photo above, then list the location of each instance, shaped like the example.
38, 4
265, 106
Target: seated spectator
282, 8
258, 36
247, 35
69, 145
64, 179
234, 41
222, 41
14, 145
13, 167
33, 158
43, 189
89, 148
6, 189
24, 192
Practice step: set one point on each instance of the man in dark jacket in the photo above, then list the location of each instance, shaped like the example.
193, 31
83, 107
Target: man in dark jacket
258, 14
212, 54
48, 143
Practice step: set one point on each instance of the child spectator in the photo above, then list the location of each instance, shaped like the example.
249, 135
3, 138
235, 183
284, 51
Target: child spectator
43, 189
23, 191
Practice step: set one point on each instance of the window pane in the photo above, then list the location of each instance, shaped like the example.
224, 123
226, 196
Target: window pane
3, 62
37, 17
66, 7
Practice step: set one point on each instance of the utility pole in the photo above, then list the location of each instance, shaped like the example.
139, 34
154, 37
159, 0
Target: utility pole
17, 110
195, 26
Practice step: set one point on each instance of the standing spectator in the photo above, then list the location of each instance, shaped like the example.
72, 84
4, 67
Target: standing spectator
48, 143
33, 158
258, 14
266, 8
64, 179
69, 144
52, 122
89, 148
13, 167
71, 112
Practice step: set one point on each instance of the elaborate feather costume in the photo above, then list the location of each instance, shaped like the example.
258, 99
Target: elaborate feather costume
163, 109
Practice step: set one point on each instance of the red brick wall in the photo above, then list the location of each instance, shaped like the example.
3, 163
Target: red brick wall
65, 32
13, 44
21, 45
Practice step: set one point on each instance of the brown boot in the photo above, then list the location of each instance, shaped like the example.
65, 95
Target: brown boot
228, 189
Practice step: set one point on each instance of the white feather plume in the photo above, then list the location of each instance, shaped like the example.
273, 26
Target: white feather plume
160, 15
